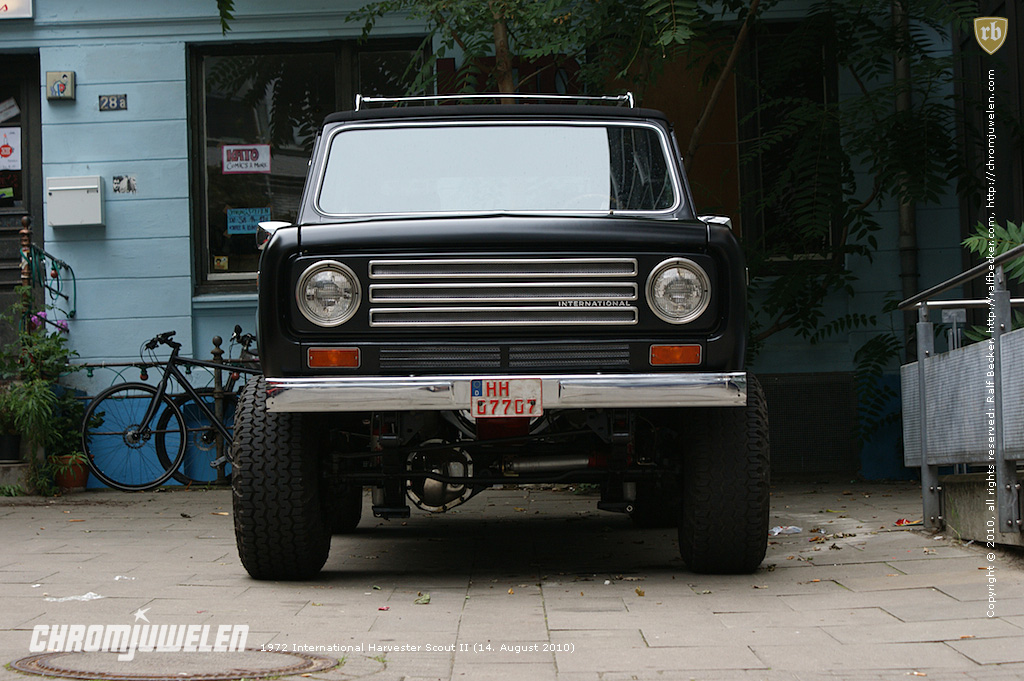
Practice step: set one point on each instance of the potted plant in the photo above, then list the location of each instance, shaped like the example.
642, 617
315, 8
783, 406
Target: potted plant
64, 455
10, 438
33, 406
26, 408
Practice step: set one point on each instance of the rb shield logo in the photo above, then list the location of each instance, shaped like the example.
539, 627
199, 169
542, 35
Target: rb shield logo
990, 32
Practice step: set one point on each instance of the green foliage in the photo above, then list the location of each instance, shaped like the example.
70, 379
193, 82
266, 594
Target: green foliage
594, 41
225, 8
31, 403
874, 397
11, 491
1001, 240
817, 212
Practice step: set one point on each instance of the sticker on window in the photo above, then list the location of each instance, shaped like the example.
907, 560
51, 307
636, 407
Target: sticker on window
245, 158
245, 220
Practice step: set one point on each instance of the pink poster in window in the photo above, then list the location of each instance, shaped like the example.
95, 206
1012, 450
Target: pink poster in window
245, 158
10, 148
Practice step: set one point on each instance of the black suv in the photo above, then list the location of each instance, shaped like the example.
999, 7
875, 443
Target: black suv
477, 295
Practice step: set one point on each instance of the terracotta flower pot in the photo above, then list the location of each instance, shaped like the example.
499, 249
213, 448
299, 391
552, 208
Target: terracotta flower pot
72, 476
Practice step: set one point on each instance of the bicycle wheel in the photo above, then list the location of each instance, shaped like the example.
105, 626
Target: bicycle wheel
120, 453
200, 438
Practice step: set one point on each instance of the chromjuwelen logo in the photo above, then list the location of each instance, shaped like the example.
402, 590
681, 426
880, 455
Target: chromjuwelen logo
990, 32
128, 639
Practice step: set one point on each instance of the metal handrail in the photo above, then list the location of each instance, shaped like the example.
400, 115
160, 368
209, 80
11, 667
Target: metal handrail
618, 99
963, 277
1007, 489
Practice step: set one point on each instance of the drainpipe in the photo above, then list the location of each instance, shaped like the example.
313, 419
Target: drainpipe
909, 276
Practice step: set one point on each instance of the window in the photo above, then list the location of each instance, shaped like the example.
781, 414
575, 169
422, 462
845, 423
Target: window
503, 167
258, 110
18, 97
791, 160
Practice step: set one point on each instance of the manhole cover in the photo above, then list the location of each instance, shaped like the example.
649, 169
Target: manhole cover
248, 664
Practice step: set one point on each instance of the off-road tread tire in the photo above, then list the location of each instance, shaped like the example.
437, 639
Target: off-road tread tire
723, 526
279, 520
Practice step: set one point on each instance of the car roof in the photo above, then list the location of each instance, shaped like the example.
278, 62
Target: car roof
496, 111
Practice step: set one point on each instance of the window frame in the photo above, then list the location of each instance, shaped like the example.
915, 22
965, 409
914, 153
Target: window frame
751, 172
346, 53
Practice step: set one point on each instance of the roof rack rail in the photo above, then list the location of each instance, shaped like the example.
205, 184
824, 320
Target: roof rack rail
626, 99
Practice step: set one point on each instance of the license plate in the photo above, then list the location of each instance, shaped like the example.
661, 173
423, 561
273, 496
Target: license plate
506, 398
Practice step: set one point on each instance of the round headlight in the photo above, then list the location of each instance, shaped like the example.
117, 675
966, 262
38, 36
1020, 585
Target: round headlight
678, 291
328, 293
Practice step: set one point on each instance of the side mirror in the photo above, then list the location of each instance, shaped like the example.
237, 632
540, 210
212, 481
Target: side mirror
265, 230
717, 220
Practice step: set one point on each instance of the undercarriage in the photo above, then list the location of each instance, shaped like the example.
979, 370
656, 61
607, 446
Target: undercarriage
439, 460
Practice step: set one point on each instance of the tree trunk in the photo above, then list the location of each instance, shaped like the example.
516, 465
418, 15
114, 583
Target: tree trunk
502, 55
730, 64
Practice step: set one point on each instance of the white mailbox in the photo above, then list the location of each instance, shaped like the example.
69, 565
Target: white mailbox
74, 201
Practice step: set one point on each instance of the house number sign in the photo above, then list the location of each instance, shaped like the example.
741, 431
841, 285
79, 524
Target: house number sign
113, 102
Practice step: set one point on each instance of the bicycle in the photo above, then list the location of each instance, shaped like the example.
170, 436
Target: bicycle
202, 437
123, 448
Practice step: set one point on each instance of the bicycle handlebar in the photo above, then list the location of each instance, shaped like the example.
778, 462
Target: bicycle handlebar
162, 339
243, 339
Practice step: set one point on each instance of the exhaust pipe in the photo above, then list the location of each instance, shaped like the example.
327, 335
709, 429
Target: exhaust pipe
540, 464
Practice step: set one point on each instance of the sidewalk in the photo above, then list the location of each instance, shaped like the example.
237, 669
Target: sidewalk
572, 593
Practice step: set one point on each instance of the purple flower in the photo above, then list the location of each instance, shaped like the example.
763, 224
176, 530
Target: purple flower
37, 320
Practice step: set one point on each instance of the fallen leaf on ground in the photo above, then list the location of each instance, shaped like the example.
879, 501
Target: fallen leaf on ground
424, 599
639, 592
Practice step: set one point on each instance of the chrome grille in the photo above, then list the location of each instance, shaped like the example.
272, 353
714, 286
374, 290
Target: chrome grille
503, 292
503, 267
524, 292
501, 316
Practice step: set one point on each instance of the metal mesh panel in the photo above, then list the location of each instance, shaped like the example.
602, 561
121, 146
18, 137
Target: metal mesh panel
958, 425
811, 421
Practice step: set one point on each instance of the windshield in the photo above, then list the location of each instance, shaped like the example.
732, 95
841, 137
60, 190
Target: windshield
507, 167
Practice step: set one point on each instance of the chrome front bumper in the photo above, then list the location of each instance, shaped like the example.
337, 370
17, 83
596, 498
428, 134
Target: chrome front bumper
441, 393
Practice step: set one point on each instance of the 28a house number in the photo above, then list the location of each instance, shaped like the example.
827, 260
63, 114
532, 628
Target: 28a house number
113, 102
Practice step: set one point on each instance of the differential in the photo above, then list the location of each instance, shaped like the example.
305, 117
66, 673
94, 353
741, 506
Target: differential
435, 494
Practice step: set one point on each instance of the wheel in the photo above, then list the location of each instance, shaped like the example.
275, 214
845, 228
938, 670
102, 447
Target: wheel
280, 523
120, 453
345, 508
723, 526
201, 437
656, 505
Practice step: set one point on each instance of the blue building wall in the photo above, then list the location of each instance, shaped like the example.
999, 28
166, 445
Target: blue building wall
135, 273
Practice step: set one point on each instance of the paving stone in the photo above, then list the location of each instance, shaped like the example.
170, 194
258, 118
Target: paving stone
931, 631
991, 650
840, 657
854, 624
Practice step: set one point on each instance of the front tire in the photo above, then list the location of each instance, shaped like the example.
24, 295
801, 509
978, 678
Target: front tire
121, 452
280, 527
723, 527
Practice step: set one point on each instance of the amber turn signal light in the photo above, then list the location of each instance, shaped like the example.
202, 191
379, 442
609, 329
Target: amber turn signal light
333, 358
675, 354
